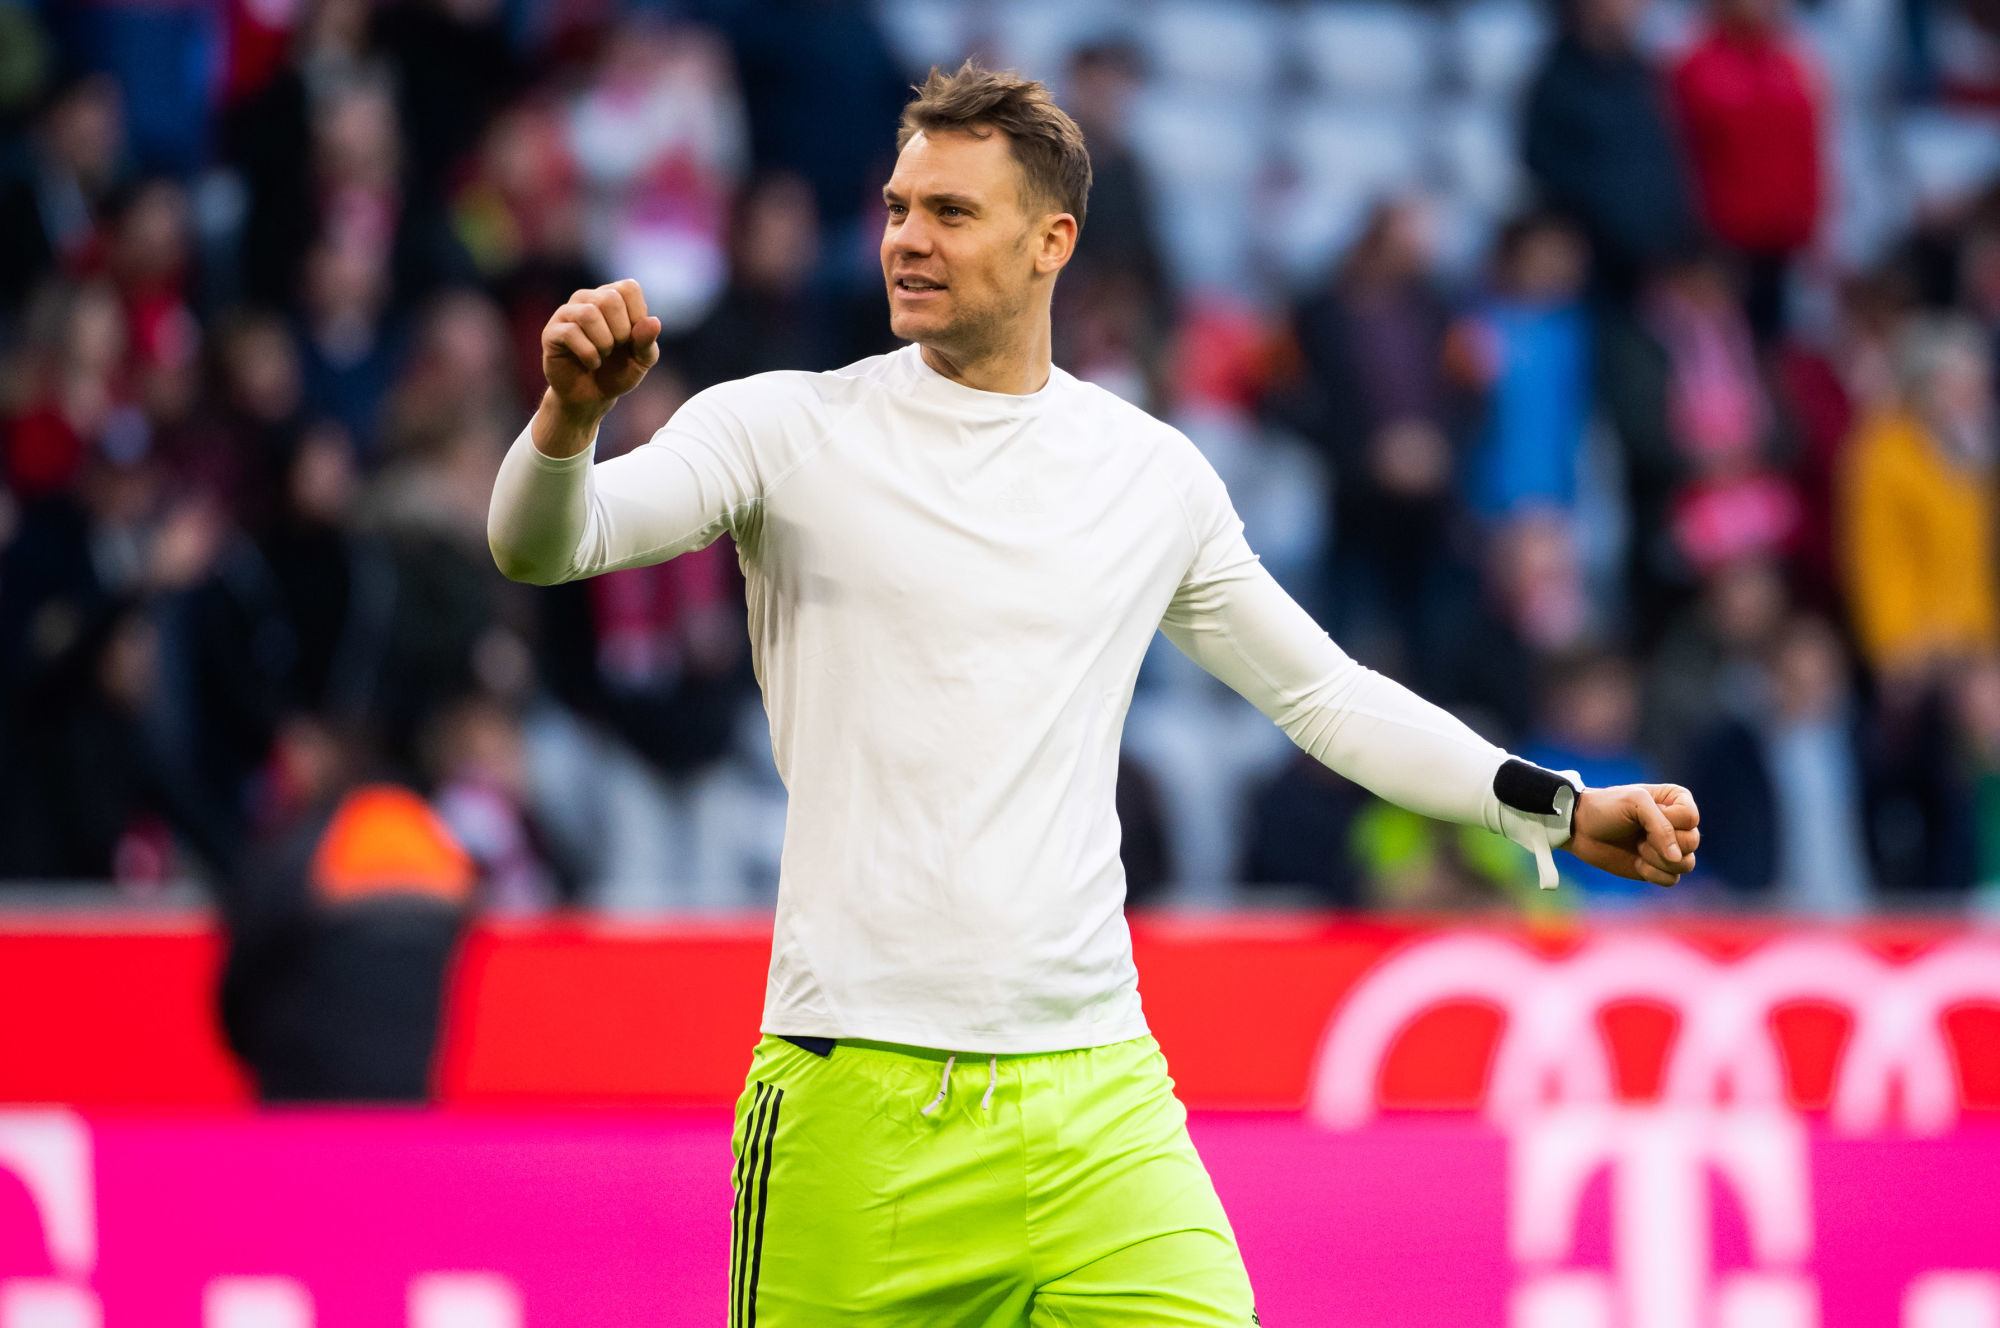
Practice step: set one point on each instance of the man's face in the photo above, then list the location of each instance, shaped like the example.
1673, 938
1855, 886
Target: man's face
959, 246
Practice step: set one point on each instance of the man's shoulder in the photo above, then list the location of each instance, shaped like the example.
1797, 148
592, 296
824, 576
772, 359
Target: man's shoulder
788, 394
801, 385
1113, 416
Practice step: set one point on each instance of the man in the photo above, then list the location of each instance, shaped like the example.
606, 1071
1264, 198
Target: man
956, 556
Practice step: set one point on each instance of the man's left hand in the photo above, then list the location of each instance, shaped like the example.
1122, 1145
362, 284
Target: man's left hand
1647, 832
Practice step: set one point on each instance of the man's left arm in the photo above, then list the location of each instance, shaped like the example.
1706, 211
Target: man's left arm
1235, 621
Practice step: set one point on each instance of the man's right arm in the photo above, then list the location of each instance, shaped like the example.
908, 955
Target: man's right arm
555, 516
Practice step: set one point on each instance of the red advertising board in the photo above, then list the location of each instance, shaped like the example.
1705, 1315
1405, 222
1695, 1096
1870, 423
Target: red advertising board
105, 1013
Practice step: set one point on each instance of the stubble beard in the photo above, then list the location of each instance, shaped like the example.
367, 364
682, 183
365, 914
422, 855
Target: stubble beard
969, 336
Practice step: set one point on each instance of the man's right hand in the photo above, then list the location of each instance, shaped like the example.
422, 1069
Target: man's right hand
594, 350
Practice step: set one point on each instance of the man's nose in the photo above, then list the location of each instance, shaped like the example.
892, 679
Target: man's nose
913, 236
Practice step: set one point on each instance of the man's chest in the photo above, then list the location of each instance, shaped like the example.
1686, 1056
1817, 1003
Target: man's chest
1009, 536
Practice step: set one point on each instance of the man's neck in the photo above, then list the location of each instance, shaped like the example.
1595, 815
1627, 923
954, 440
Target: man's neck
1017, 369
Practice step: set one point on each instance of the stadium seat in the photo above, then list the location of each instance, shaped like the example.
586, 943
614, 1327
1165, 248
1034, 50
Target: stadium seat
1370, 50
1340, 159
1038, 36
1219, 44
1868, 205
1474, 140
1495, 45
1206, 156
1946, 155
923, 33
1207, 753
1463, 232
1668, 27
1851, 55
1205, 139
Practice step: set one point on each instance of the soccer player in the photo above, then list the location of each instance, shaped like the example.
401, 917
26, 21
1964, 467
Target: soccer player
956, 555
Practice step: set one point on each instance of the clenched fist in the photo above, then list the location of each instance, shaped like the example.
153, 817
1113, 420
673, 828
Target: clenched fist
1647, 832
594, 350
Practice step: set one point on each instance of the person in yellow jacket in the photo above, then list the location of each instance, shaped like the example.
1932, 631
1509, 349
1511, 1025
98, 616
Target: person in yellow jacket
1917, 511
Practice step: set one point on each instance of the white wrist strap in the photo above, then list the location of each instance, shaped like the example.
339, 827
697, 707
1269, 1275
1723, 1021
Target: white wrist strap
1542, 834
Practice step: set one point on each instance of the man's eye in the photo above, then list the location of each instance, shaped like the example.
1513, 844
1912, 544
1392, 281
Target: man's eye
896, 209
952, 211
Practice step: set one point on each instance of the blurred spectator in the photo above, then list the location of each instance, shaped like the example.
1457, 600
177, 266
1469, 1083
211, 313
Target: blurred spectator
1372, 343
353, 343
235, 447
1782, 782
161, 53
148, 257
1527, 347
1112, 313
1598, 143
1102, 80
445, 631
1533, 604
459, 372
1825, 384
824, 97
87, 793
1540, 584
519, 215
1302, 823
1917, 508
53, 195
523, 167
268, 133
1719, 420
453, 69
1710, 660
1922, 832
333, 583
776, 313
478, 768
658, 135
73, 372
341, 928
1751, 116
1411, 863
1917, 523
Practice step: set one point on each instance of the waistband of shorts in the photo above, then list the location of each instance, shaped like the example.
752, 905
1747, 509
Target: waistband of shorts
940, 1055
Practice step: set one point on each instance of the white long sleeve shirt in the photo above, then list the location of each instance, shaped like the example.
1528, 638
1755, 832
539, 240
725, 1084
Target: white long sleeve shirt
950, 592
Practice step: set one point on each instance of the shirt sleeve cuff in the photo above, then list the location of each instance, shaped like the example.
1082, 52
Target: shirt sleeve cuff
543, 461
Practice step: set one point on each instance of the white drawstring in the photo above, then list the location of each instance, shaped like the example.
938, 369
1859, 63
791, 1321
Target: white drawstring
944, 1086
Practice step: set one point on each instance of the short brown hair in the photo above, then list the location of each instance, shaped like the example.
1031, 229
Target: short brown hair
1042, 137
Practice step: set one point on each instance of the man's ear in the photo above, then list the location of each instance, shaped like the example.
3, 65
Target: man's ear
1058, 242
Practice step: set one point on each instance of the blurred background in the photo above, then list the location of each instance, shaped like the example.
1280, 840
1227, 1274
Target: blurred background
1619, 373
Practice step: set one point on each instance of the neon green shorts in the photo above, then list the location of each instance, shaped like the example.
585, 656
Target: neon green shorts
1061, 1191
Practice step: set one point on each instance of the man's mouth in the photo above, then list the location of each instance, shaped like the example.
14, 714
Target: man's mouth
918, 285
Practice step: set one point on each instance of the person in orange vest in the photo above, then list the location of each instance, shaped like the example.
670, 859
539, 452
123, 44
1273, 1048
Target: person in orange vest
343, 930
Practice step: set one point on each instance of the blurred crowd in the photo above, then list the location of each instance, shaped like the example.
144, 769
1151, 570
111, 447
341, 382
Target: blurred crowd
1620, 376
